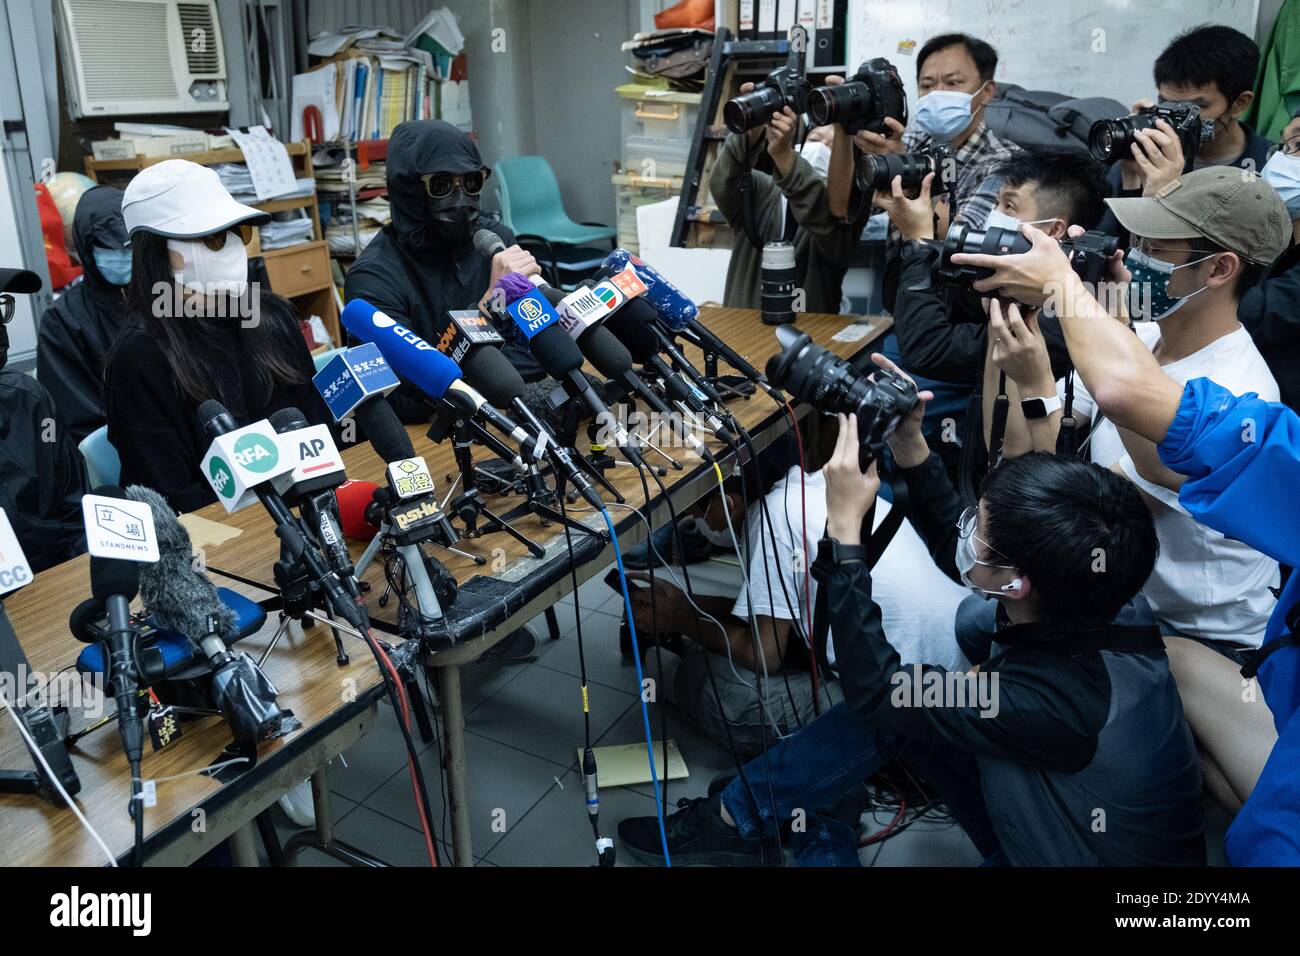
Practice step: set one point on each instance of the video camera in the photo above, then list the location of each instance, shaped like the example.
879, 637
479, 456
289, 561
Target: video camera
831, 385
876, 172
785, 86
1112, 140
1088, 253
863, 101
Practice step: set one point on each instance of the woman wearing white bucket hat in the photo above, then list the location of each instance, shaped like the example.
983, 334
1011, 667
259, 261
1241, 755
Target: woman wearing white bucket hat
197, 329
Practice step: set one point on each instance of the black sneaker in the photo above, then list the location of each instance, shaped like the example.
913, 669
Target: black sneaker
517, 647
696, 837
719, 783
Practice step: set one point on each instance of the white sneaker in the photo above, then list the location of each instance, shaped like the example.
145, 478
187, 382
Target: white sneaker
298, 806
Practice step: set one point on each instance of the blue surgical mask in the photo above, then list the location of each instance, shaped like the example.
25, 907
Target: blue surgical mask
1282, 172
113, 264
1154, 275
945, 113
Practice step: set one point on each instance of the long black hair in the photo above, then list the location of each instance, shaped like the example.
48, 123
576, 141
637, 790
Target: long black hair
157, 302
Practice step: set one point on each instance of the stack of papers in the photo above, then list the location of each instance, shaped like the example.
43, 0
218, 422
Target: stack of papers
239, 183
277, 234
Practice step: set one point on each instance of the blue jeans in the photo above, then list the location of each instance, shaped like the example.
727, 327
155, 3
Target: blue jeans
824, 762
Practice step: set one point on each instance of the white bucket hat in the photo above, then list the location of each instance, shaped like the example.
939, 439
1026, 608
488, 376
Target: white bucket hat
183, 200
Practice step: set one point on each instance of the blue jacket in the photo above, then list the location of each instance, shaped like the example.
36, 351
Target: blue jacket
1242, 459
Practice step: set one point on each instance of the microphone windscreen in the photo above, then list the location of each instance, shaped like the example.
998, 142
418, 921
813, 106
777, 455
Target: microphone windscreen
85, 614
673, 306
214, 418
488, 243
110, 576
555, 351
354, 497
605, 352
357, 318
514, 285
630, 326
384, 430
491, 373
410, 356
287, 420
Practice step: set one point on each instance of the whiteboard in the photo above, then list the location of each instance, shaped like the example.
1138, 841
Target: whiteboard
1076, 47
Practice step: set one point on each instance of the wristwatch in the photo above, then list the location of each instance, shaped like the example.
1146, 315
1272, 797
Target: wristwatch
831, 551
1040, 407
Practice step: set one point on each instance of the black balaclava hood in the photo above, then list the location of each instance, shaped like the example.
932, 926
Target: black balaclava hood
431, 146
98, 222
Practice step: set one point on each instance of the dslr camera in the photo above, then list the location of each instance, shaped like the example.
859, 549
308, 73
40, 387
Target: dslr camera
876, 172
863, 101
831, 385
1112, 140
1088, 253
785, 86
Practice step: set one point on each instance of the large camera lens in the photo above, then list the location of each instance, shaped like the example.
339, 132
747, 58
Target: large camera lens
962, 237
840, 104
1112, 140
876, 172
833, 386
752, 109
777, 276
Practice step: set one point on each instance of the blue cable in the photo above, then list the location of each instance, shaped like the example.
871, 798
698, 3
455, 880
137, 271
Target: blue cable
640, 681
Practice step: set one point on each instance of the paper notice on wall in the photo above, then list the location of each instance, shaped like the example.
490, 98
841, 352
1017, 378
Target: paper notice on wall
268, 162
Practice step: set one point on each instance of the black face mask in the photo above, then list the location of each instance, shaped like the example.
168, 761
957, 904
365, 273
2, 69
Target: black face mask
451, 220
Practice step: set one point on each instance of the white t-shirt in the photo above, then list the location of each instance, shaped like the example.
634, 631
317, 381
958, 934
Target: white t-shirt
1204, 584
918, 603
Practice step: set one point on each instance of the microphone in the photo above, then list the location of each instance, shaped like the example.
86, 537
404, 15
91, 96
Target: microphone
354, 498
678, 313
423, 365
318, 472
178, 598
218, 423
488, 243
539, 324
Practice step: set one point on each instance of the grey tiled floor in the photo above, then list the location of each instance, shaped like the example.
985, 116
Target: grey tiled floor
523, 726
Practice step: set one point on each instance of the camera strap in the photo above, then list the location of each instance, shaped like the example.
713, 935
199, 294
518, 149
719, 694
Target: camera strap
877, 542
1067, 437
998, 428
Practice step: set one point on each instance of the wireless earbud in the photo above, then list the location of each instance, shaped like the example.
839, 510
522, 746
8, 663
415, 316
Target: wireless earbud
1013, 586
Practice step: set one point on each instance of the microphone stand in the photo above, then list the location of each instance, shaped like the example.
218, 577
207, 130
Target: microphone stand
299, 595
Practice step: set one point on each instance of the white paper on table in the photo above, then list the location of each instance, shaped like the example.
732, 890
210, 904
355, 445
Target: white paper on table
317, 88
268, 162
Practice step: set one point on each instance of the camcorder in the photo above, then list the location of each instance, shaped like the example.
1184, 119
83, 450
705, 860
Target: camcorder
1112, 140
785, 86
1088, 254
833, 386
876, 172
863, 101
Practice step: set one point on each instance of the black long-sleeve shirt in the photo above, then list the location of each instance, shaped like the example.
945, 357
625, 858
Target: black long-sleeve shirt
1270, 311
1065, 724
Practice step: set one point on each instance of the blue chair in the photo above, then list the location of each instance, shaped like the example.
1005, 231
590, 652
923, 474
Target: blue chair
102, 463
531, 206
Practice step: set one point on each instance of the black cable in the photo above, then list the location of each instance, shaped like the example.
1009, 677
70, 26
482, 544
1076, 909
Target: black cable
137, 812
659, 657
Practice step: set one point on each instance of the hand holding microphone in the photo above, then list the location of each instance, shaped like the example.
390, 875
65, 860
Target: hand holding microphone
504, 259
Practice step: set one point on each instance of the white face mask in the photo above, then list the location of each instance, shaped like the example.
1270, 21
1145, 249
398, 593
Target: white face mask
998, 218
818, 156
209, 273
1282, 172
965, 558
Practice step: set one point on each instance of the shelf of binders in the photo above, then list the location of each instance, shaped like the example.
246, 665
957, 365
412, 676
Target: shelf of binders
365, 152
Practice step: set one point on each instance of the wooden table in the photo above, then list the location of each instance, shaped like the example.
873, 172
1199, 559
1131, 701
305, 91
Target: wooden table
496, 600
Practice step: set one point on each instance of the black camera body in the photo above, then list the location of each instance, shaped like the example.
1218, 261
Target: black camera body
785, 86
877, 171
1112, 140
863, 101
1088, 254
833, 386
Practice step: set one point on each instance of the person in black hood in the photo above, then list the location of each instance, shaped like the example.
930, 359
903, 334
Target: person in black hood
42, 478
425, 262
77, 331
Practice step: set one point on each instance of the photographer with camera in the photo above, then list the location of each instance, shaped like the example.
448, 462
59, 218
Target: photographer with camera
1211, 68
1083, 713
1211, 594
793, 195
954, 74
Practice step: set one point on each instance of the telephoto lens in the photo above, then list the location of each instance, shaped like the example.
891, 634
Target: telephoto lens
752, 109
876, 172
863, 101
776, 283
1112, 140
962, 237
833, 386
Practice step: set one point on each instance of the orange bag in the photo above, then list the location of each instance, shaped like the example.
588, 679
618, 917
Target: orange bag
62, 271
686, 15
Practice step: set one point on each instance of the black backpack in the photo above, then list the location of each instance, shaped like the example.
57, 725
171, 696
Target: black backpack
1040, 118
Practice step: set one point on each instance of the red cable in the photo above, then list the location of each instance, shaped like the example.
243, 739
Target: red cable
893, 824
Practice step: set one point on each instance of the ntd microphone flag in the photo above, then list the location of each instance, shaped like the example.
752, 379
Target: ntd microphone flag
532, 313
239, 460
353, 376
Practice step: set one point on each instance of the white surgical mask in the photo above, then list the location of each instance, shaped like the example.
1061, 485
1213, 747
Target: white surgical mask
1282, 172
818, 156
999, 219
945, 113
209, 273
966, 560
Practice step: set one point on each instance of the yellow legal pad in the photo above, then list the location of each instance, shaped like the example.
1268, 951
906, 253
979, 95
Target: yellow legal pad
626, 764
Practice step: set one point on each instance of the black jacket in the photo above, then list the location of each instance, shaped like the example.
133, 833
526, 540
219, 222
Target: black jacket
411, 281
1270, 311
42, 476
943, 334
156, 431
77, 331
1084, 755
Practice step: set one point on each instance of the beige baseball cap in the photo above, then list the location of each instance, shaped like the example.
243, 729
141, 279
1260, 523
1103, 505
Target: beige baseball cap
183, 200
1231, 207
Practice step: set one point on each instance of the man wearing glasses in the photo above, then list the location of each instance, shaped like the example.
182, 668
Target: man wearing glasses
1270, 310
424, 263
41, 475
